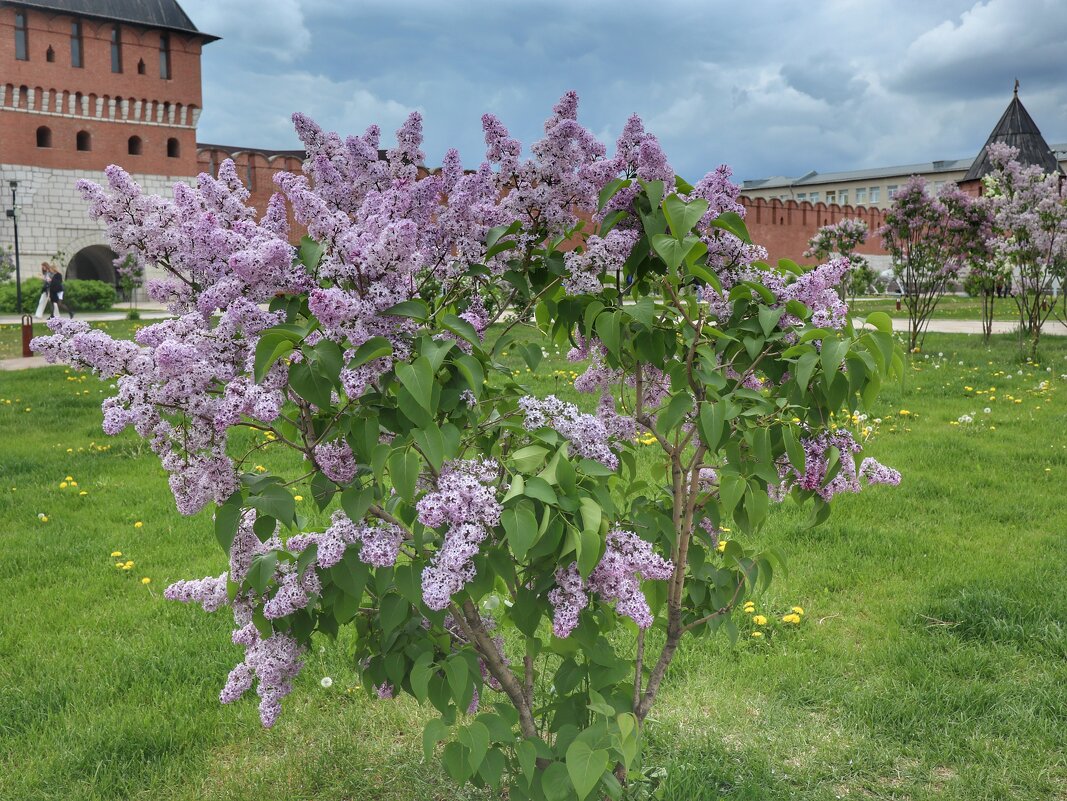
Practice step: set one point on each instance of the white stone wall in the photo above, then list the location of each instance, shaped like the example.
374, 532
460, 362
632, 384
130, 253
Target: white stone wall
53, 217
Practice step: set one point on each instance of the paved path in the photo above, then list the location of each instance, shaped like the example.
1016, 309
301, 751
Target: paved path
975, 327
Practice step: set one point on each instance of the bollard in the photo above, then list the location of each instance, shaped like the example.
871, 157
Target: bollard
27, 335
898, 304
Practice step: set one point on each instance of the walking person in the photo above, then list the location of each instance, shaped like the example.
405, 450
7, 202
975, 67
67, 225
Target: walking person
46, 276
55, 293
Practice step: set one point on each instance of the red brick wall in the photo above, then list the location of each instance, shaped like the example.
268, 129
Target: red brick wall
256, 170
784, 227
98, 95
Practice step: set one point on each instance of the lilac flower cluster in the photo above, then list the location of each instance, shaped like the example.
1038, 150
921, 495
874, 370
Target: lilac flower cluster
336, 460
817, 464
600, 256
587, 434
272, 661
616, 579
465, 504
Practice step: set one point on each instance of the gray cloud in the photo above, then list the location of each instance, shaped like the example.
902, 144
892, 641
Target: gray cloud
771, 88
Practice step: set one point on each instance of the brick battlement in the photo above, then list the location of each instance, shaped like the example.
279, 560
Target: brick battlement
785, 226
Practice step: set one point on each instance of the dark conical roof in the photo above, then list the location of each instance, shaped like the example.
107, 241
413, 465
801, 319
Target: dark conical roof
164, 14
1018, 129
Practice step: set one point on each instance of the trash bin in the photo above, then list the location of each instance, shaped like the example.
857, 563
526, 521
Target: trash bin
27, 334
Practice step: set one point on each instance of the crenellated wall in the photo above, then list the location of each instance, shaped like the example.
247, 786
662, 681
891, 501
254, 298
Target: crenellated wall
784, 227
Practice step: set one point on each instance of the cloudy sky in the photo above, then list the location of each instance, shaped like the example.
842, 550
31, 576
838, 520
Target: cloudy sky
771, 87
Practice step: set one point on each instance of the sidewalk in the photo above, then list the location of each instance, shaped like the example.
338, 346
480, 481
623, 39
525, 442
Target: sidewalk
148, 311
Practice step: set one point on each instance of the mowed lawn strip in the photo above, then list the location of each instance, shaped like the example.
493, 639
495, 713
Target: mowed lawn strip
929, 663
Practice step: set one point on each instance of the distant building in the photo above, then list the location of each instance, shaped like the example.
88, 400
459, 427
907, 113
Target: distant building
784, 213
88, 83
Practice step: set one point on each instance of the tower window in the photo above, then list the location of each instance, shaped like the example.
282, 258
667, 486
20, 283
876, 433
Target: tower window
22, 43
44, 136
140, 67
76, 59
116, 48
85, 141
164, 56
134, 146
173, 148
50, 54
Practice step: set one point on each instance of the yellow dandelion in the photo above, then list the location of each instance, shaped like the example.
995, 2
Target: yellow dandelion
74, 483
83, 493
298, 497
42, 517
146, 580
260, 468
721, 546
119, 565
757, 634
797, 610
62, 484
759, 620
903, 412
138, 524
791, 618
116, 554
69, 478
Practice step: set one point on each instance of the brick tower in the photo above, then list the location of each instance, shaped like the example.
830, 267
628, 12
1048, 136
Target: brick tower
85, 84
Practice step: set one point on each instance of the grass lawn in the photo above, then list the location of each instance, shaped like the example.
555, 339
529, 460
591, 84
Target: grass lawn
931, 662
950, 307
11, 335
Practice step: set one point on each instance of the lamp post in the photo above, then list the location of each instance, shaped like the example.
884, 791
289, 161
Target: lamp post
13, 213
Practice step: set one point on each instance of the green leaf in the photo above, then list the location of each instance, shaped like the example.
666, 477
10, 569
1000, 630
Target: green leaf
676, 410
528, 459
276, 501
588, 551
682, 216
415, 309
462, 329
672, 251
526, 752
471, 370
476, 738
654, 190
592, 514
262, 570
733, 223
556, 782
520, 525
768, 318
272, 346
881, 321
610, 190
712, 424
393, 611
417, 379
310, 252
431, 443
833, 351
435, 732
227, 518
458, 675
356, 500
404, 471
731, 488
607, 328
310, 384
493, 768
585, 766
805, 368
373, 348
540, 489
350, 574
793, 449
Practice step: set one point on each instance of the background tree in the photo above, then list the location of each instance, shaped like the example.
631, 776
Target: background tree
842, 239
931, 238
1029, 213
518, 563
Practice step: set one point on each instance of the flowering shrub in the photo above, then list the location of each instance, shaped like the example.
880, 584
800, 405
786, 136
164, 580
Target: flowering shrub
510, 559
1029, 211
842, 239
931, 238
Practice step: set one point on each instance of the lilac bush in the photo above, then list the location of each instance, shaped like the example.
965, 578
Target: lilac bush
841, 239
483, 542
1029, 210
931, 237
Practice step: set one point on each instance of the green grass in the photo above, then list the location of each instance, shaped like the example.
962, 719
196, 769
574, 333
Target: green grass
950, 307
931, 662
11, 334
